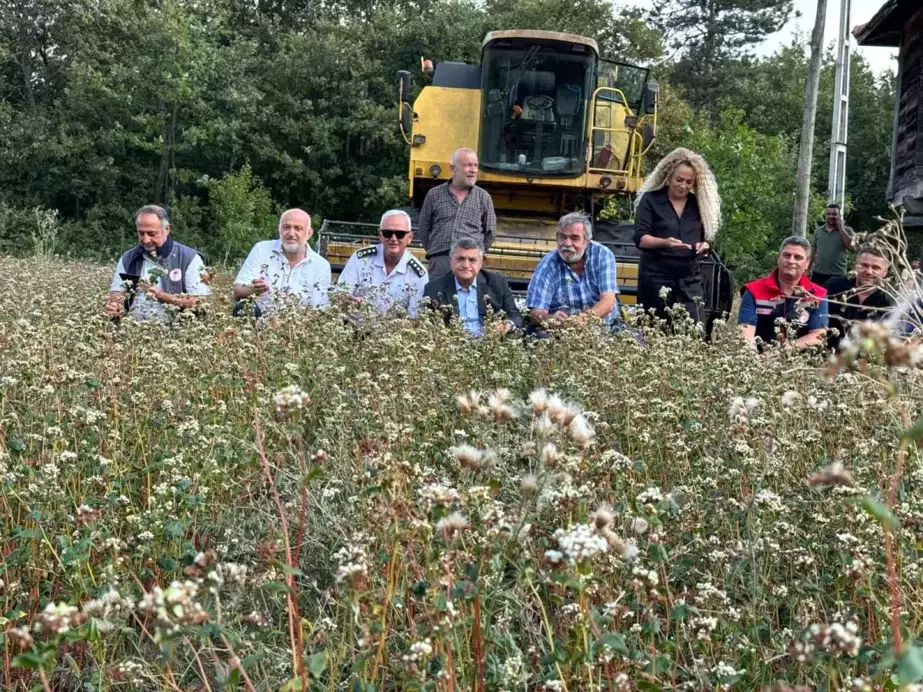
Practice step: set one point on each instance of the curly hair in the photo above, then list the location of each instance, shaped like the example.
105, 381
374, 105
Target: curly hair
706, 189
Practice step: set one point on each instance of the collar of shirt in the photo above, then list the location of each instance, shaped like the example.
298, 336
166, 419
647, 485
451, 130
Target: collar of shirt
279, 252
379, 261
473, 288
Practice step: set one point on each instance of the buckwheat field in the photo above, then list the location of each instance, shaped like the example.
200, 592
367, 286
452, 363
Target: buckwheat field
317, 503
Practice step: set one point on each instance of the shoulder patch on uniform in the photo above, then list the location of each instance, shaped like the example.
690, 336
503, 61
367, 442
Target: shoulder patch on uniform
369, 251
415, 265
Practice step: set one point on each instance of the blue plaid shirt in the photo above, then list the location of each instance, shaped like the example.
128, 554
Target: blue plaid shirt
555, 286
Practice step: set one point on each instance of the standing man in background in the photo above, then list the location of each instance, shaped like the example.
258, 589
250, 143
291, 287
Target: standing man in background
454, 210
156, 273
830, 247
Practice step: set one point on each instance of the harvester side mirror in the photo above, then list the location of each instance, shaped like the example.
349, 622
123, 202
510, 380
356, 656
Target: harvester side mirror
406, 118
648, 134
404, 85
650, 97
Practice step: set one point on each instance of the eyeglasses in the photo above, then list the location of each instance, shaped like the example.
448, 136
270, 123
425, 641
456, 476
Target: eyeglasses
400, 235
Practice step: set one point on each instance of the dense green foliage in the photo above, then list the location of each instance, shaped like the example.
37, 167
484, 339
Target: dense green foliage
228, 111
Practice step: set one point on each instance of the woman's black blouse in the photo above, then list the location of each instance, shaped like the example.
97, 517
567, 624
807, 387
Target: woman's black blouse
656, 216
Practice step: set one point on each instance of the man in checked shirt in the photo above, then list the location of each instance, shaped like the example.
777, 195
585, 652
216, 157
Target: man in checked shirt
575, 279
454, 210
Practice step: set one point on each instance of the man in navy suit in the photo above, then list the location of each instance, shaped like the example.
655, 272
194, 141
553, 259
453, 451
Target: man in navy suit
467, 291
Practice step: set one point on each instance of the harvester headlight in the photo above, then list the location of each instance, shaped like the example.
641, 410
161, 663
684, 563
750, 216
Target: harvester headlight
605, 182
435, 170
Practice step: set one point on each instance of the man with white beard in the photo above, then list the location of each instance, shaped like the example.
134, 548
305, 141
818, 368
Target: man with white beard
283, 268
577, 278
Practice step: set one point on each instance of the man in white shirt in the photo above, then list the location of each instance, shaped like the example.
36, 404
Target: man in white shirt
285, 268
157, 274
387, 275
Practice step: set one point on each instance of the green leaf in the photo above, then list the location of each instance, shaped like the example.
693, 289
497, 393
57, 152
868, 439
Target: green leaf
317, 663
293, 685
167, 563
879, 511
611, 640
910, 667
915, 431
31, 661
15, 446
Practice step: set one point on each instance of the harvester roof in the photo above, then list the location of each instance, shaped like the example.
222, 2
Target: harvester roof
540, 36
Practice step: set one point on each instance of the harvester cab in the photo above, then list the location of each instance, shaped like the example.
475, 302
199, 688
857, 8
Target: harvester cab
556, 129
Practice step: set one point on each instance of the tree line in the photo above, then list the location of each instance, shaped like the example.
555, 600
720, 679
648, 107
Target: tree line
230, 110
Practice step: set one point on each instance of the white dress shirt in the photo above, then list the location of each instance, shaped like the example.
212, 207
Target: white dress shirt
309, 280
144, 308
365, 276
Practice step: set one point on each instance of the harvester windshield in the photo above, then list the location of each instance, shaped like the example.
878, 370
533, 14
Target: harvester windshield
534, 98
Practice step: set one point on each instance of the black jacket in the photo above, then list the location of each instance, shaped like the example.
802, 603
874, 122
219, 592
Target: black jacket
493, 290
874, 308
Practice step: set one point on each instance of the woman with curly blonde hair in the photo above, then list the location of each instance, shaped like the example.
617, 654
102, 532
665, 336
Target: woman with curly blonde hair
677, 214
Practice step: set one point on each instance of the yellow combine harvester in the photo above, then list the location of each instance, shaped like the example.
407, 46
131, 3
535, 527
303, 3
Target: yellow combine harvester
556, 129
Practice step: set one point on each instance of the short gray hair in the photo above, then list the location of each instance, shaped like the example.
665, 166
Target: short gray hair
396, 212
576, 217
157, 211
466, 244
798, 240
455, 154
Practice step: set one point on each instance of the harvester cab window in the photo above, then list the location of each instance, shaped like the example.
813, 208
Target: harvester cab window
534, 110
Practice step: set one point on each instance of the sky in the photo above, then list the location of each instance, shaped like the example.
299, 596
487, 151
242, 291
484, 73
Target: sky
880, 59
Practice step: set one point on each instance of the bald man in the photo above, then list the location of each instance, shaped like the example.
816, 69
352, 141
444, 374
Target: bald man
285, 268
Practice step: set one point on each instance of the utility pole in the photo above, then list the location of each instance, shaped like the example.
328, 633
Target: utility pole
809, 114
836, 178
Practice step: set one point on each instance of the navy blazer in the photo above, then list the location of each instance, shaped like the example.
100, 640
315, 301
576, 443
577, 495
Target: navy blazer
493, 290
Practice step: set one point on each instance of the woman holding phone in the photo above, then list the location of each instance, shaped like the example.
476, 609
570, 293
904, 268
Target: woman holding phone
677, 214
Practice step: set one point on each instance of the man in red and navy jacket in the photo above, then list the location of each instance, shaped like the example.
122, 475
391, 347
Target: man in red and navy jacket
786, 294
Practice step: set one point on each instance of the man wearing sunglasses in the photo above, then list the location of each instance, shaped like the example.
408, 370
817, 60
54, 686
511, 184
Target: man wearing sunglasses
386, 275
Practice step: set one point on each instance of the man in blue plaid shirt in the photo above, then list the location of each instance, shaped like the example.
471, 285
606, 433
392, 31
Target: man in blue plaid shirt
576, 279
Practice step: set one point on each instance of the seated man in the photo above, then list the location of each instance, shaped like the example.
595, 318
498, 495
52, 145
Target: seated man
278, 269
467, 291
576, 279
386, 273
155, 273
786, 294
859, 299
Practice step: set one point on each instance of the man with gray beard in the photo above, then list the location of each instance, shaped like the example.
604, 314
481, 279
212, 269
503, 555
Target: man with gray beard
576, 279
286, 267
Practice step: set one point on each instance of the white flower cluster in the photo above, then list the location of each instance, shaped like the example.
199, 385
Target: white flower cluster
107, 607
651, 496
352, 558
703, 627
436, 494
290, 398
418, 651
173, 608
579, 543
449, 525
474, 459
740, 409
58, 619
836, 638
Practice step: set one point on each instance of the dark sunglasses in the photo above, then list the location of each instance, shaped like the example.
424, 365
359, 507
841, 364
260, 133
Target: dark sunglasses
400, 235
